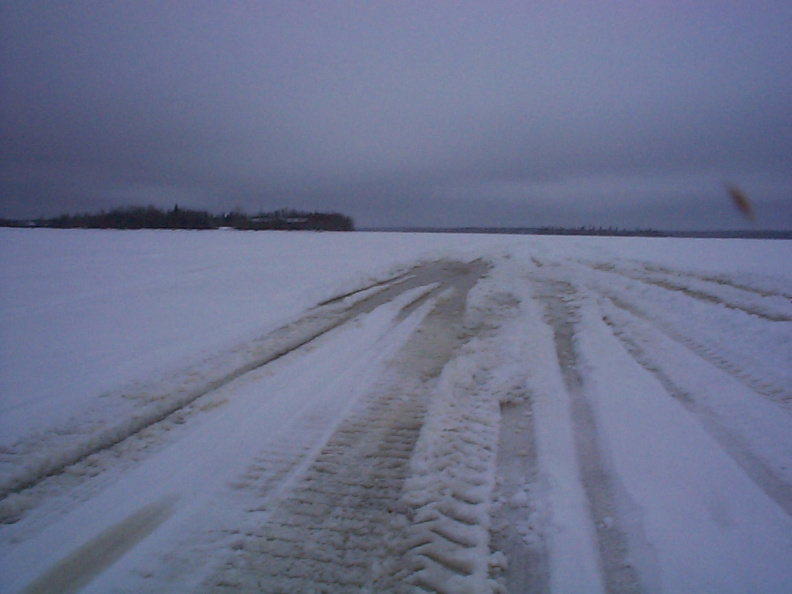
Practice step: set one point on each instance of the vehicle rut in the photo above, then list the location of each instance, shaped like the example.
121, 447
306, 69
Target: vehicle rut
26, 465
632, 333
767, 305
769, 387
618, 575
336, 528
513, 530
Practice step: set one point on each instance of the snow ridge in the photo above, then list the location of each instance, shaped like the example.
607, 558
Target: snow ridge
446, 499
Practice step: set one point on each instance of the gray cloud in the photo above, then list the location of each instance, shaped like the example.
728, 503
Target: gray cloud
406, 113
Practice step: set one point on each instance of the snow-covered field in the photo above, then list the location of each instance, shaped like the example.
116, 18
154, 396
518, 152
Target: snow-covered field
229, 411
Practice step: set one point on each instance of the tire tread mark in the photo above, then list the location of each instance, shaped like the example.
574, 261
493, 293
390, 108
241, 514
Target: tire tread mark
736, 447
767, 388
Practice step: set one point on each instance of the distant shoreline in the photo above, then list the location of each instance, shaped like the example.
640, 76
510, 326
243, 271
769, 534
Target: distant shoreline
588, 231
561, 231
151, 217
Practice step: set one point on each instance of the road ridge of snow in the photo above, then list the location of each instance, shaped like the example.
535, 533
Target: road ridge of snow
447, 495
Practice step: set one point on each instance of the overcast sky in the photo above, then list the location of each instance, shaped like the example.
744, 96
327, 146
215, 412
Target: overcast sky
524, 113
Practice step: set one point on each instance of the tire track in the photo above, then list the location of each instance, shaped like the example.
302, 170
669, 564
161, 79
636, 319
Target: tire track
339, 525
706, 341
443, 540
618, 574
29, 463
306, 422
515, 525
770, 388
769, 306
722, 280
78, 569
735, 443
771, 314
444, 546
368, 289
330, 532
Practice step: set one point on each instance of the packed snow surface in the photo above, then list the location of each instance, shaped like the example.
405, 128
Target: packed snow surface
230, 411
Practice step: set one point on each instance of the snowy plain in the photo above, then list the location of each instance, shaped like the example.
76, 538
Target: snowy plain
517, 412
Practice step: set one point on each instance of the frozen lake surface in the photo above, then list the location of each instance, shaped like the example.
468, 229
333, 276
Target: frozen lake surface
230, 411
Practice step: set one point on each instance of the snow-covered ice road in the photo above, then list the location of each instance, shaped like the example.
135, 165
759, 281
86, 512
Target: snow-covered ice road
495, 424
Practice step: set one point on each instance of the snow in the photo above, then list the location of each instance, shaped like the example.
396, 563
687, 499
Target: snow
682, 483
653, 377
85, 312
572, 556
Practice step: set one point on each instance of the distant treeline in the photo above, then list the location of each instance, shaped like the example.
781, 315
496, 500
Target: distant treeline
150, 217
596, 231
